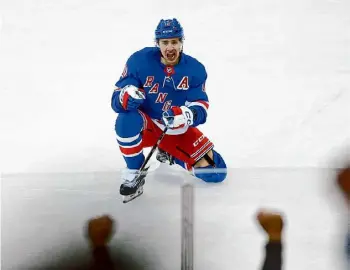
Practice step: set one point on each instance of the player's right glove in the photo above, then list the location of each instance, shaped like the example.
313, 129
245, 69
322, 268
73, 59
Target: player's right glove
178, 117
131, 97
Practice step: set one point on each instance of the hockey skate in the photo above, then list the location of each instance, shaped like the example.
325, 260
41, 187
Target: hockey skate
132, 186
165, 157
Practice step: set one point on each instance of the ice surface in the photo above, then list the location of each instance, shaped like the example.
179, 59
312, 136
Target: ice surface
47, 212
278, 82
278, 78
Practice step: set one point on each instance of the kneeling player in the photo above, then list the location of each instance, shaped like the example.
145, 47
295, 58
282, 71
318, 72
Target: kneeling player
162, 86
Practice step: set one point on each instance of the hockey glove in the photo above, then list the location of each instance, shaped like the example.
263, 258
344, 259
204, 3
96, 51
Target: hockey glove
131, 97
178, 117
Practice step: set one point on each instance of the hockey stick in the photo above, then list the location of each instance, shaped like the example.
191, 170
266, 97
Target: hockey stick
150, 154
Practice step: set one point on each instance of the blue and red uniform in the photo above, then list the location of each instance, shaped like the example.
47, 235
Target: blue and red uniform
163, 87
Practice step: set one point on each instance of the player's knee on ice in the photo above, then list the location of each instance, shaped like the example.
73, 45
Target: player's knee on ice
128, 124
214, 176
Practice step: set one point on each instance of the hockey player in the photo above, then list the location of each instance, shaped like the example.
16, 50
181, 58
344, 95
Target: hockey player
162, 86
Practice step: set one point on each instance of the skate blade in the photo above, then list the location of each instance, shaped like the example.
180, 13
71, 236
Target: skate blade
129, 198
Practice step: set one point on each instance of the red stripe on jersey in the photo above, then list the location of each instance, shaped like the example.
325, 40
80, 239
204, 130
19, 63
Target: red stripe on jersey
205, 103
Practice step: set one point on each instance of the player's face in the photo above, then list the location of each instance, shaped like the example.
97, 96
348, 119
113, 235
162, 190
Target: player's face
170, 49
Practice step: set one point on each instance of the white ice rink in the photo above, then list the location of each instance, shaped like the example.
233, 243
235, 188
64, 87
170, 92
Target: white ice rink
278, 83
48, 212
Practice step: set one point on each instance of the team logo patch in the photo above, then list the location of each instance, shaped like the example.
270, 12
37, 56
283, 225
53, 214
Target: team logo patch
169, 71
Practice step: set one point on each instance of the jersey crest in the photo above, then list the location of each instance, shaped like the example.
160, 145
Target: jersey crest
164, 86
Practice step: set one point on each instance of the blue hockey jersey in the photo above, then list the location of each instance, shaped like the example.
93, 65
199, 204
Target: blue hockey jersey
165, 86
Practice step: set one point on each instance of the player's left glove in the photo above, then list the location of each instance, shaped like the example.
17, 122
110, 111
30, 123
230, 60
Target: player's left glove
178, 117
131, 97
